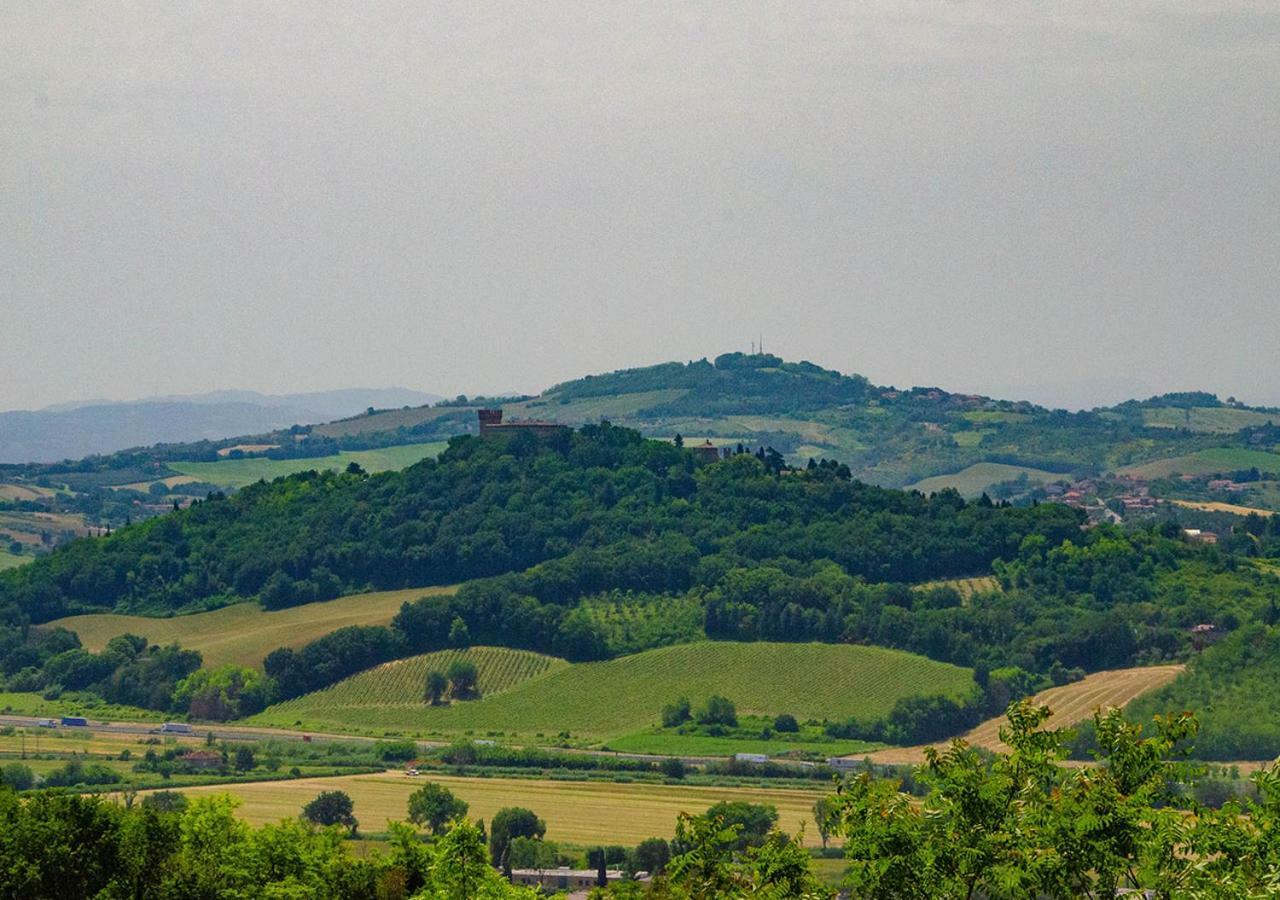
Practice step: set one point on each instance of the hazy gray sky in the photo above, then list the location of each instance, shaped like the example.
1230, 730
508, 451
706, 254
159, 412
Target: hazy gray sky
480, 197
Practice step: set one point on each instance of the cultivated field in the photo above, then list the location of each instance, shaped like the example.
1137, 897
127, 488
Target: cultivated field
28, 527
590, 409
398, 686
171, 482
32, 703
1222, 420
385, 420
10, 491
1069, 703
965, 587
245, 633
1214, 506
10, 560
603, 700
236, 473
576, 812
1207, 462
977, 478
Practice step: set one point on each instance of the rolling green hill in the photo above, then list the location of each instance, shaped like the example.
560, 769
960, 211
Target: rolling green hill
1208, 462
1231, 688
601, 700
1222, 420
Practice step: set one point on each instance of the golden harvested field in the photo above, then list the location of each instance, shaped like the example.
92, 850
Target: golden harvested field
576, 812
245, 633
965, 587
1214, 506
1070, 703
170, 482
24, 492
385, 420
86, 741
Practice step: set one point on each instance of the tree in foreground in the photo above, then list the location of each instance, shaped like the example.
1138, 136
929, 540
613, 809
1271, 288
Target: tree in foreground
331, 808
1023, 825
651, 855
753, 821
434, 806
512, 822
710, 864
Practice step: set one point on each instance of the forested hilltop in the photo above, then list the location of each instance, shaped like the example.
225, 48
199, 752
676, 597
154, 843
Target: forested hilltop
651, 515
1120, 461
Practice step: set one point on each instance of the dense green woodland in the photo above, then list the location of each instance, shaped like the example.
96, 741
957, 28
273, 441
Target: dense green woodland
500, 505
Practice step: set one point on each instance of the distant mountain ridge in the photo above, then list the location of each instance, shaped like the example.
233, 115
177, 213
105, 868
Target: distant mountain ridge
71, 431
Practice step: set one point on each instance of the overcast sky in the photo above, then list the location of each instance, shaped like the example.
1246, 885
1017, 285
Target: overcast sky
999, 197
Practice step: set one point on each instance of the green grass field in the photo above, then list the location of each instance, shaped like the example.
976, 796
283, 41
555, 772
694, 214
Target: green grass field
1208, 462
607, 700
236, 473
590, 409
384, 420
32, 704
977, 478
245, 633
1221, 420
583, 813
12, 561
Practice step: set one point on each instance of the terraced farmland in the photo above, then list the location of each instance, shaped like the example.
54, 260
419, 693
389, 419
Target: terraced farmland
399, 685
245, 633
1070, 703
602, 700
1216, 506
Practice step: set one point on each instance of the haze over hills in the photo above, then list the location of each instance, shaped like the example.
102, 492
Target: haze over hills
73, 430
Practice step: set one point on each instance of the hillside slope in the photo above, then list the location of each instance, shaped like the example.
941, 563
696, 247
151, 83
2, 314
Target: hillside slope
71, 431
489, 506
1069, 704
607, 699
245, 633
